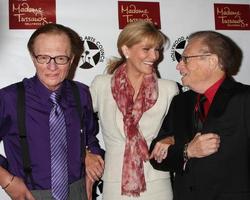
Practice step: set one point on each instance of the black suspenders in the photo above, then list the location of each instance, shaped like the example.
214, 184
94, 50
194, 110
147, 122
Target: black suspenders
22, 133
22, 128
81, 117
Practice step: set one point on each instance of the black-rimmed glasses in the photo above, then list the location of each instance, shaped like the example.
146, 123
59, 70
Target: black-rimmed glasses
46, 59
185, 58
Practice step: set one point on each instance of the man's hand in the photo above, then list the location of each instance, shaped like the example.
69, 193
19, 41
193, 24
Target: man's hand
203, 145
94, 166
160, 150
17, 190
89, 187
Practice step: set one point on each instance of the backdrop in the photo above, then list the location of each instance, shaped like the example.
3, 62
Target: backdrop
100, 22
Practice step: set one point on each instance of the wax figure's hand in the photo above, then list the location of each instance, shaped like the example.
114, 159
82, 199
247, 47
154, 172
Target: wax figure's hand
203, 145
17, 190
94, 166
160, 150
89, 187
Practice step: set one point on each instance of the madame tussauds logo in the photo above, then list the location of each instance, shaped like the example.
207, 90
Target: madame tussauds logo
93, 53
177, 48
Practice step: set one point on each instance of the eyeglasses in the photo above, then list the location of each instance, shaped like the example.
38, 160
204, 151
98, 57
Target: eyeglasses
185, 58
59, 60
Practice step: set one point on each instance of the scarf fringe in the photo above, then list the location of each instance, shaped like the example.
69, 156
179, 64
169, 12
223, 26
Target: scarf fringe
134, 193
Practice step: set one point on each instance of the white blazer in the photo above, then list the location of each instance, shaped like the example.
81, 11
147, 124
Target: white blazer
111, 122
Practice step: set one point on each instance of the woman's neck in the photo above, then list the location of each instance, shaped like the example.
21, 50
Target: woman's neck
136, 82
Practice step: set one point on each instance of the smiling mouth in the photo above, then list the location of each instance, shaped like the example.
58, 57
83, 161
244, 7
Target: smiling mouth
148, 63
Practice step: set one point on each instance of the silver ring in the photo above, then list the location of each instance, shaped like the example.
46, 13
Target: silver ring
163, 151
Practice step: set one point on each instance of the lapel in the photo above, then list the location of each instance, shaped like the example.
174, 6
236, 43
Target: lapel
188, 104
220, 101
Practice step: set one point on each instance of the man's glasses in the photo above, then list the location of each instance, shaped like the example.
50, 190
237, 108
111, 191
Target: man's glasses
185, 58
59, 60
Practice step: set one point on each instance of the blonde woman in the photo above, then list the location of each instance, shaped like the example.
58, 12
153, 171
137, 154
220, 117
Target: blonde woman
131, 103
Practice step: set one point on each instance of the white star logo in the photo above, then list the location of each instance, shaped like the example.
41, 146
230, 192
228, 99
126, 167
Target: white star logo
90, 55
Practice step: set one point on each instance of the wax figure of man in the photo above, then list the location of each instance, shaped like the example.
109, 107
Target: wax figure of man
57, 129
211, 153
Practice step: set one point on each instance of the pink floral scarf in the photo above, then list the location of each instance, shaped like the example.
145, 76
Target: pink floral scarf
136, 149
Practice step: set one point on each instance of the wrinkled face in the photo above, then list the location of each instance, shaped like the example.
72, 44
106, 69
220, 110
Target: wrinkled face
141, 57
195, 65
52, 44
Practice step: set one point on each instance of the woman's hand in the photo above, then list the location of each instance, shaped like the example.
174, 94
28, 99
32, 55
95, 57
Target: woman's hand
160, 150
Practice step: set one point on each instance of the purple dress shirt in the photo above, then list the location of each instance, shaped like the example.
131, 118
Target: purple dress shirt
37, 110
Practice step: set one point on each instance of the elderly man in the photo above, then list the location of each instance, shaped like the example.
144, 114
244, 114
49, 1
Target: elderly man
210, 124
46, 123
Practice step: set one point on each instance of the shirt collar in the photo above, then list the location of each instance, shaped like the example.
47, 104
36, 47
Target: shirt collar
42, 91
210, 92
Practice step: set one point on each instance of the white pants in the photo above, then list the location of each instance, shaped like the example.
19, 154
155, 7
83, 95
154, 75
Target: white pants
156, 190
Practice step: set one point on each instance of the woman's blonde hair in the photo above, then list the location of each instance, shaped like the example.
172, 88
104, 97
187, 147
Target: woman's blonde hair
132, 34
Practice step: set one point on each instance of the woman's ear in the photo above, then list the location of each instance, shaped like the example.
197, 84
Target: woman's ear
125, 51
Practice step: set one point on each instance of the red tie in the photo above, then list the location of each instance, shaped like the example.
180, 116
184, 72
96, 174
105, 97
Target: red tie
199, 112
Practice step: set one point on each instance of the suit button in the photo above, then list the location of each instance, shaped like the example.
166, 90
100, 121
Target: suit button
191, 188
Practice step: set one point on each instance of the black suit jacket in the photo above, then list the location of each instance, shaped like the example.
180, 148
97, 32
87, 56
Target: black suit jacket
224, 175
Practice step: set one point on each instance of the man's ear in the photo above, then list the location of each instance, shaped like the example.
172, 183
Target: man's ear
71, 60
214, 61
33, 57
